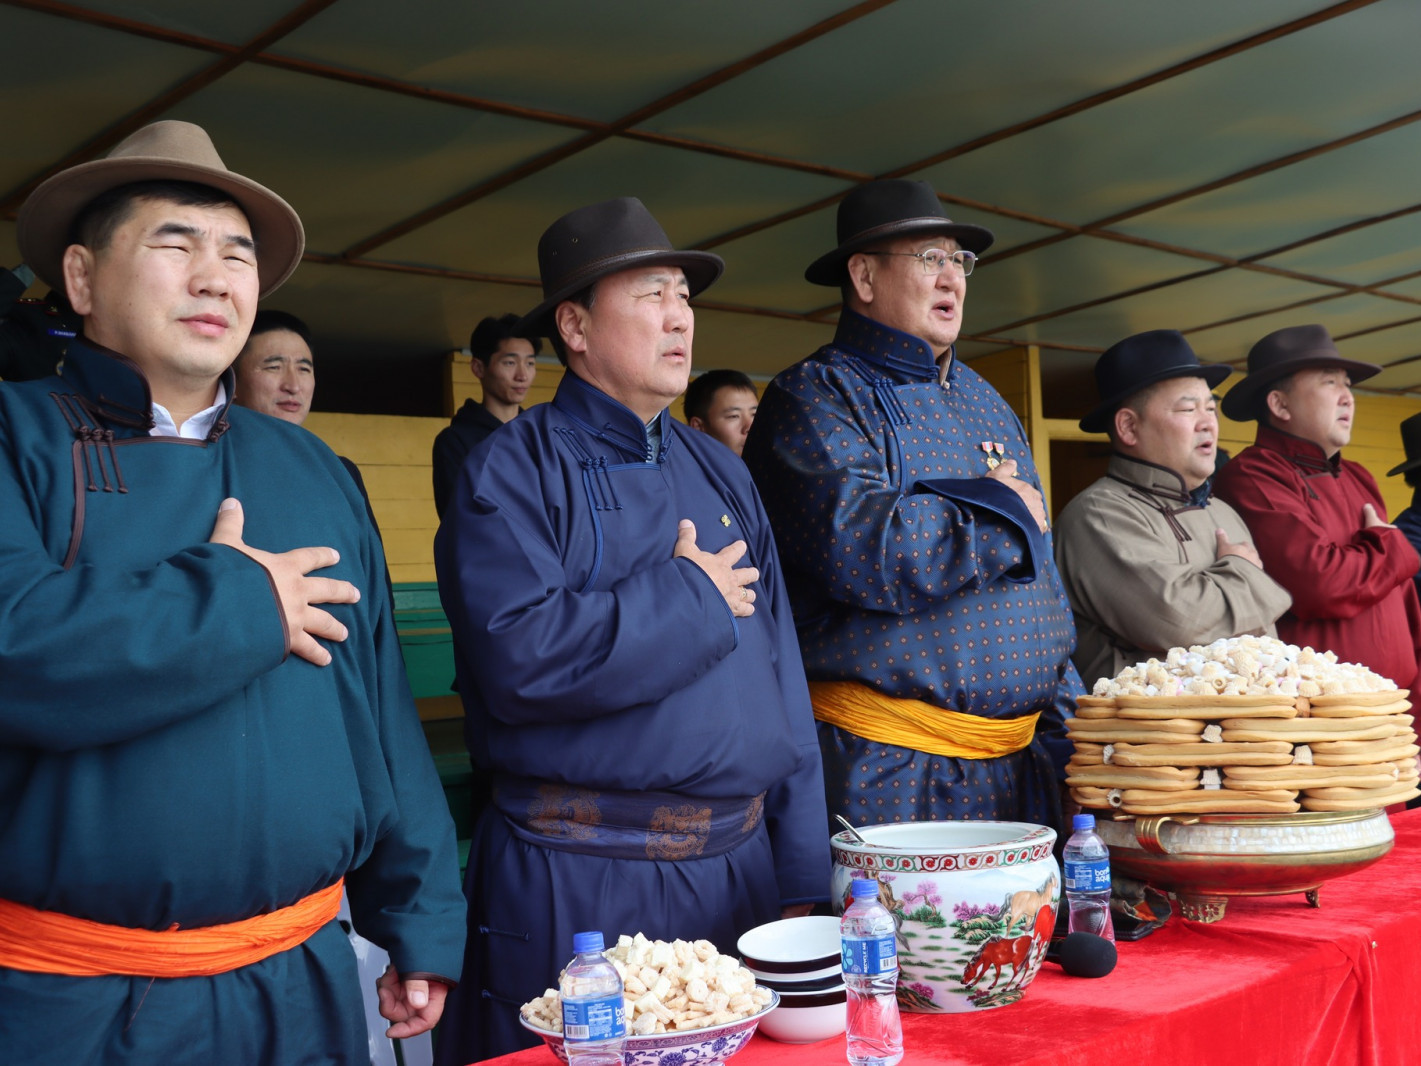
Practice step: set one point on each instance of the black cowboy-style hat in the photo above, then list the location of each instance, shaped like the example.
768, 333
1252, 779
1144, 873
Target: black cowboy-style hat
892, 208
592, 242
1144, 359
1279, 354
1410, 444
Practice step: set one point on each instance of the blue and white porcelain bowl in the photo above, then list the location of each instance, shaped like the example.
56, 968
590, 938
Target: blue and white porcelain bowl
701, 1047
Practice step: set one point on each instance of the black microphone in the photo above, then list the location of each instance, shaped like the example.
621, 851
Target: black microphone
1082, 954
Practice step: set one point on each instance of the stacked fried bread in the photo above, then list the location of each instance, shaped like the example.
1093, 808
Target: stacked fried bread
1248, 725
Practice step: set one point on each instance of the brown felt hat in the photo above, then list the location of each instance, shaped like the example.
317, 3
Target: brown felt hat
1283, 352
882, 210
163, 151
592, 242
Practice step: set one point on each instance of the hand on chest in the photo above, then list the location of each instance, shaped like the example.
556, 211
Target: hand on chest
651, 501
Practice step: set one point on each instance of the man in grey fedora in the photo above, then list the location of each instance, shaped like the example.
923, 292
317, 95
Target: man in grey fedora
1318, 520
205, 728
624, 647
1150, 559
932, 621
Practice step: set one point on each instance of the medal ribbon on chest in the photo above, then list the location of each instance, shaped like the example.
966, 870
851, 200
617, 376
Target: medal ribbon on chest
993, 450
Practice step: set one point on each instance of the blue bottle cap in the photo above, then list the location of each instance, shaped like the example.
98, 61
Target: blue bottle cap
585, 942
1083, 821
864, 887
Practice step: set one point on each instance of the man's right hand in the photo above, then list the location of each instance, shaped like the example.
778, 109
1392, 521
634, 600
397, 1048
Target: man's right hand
1005, 472
1372, 520
733, 582
297, 592
1223, 546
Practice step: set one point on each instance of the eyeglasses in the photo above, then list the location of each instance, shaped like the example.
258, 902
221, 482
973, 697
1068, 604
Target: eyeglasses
936, 260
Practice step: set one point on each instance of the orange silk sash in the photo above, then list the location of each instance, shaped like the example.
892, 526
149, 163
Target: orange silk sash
49, 942
914, 724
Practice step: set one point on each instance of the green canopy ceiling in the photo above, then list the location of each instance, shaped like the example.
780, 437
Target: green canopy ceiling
1218, 167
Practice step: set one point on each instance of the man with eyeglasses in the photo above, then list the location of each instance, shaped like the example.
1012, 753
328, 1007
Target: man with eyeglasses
932, 622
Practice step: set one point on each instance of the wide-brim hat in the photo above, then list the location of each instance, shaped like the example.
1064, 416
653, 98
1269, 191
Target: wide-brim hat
1410, 444
1140, 361
163, 151
881, 210
592, 242
1284, 352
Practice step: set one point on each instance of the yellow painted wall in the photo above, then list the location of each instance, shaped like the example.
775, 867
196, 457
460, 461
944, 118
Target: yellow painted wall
393, 453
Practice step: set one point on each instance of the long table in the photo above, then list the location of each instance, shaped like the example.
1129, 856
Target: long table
1275, 983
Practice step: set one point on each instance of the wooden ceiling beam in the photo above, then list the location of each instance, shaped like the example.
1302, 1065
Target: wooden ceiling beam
1115, 92
165, 101
626, 122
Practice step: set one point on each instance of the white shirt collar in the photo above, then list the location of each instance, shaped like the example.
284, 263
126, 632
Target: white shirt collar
195, 428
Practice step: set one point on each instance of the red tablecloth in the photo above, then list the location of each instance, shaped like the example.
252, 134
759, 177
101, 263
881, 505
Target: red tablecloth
1275, 983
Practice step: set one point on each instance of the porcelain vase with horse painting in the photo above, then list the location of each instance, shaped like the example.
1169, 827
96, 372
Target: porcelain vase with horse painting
975, 904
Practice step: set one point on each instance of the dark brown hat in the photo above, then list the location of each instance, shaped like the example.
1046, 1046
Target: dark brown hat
163, 151
592, 242
1410, 444
1144, 359
1279, 354
884, 209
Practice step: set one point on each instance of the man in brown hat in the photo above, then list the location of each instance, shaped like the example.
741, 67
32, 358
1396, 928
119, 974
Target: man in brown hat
1318, 520
202, 739
1150, 559
932, 621
624, 646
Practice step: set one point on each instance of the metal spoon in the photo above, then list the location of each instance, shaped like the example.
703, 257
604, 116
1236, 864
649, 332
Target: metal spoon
852, 831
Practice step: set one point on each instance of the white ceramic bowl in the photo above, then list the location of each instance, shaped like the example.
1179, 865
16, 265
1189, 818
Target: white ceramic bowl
780, 979
785, 985
701, 1047
807, 1018
805, 947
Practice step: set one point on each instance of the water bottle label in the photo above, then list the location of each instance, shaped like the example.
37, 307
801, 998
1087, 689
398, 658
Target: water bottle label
1083, 876
594, 1019
870, 955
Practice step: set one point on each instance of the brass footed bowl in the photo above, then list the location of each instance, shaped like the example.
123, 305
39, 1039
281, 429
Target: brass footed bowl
1206, 859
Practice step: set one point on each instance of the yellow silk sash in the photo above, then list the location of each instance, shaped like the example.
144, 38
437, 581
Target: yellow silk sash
918, 725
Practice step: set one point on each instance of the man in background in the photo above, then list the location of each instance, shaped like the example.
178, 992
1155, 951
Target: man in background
276, 372
505, 364
276, 375
722, 403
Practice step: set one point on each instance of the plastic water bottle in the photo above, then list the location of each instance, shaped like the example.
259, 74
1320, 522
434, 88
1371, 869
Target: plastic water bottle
1088, 879
594, 1021
870, 945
